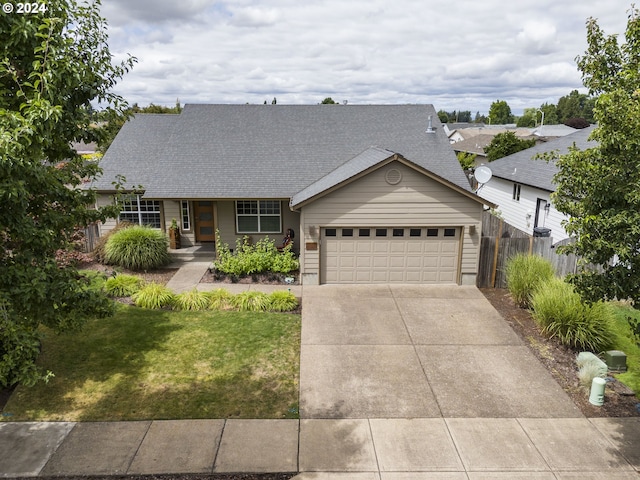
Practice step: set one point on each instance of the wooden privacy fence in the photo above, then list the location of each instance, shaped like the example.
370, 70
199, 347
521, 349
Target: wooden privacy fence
90, 237
501, 241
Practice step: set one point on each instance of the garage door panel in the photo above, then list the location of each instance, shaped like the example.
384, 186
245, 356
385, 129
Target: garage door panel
363, 262
345, 262
344, 247
398, 262
413, 246
449, 247
382, 262
392, 258
448, 262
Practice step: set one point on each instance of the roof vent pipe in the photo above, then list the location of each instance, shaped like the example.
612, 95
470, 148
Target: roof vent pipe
430, 128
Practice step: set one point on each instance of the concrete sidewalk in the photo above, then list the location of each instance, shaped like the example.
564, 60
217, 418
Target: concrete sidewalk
382, 449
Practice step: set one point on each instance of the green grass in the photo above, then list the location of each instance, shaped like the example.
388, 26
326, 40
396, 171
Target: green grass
625, 343
160, 364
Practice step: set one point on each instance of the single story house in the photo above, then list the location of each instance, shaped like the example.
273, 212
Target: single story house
374, 193
522, 185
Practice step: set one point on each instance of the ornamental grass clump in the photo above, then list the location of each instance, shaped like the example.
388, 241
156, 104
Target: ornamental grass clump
153, 296
282, 301
220, 299
524, 274
562, 314
137, 248
123, 285
251, 301
194, 300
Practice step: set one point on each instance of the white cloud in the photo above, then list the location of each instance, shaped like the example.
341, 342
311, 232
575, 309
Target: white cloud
366, 51
538, 37
254, 17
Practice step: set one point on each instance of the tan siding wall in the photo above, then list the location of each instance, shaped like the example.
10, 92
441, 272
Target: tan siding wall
227, 224
416, 201
102, 201
173, 209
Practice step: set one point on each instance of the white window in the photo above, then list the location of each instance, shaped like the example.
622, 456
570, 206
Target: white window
258, 216
186, 219
516, 191
139, 211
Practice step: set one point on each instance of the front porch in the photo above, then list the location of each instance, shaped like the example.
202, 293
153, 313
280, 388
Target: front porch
202, 253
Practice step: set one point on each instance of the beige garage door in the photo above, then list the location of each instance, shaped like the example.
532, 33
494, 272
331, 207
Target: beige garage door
390, 255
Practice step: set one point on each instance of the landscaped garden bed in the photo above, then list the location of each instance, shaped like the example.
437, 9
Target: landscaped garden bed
556, 326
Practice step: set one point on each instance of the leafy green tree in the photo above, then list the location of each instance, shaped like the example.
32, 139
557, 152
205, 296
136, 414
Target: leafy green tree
528, 118
506, 143
550, 113
467, 160
464, 116
443, 116
480, 118
599, 188
575, 105
52, 66
500, 113
328, 101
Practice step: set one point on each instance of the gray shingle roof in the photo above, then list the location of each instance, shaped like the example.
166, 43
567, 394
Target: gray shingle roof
367, 159
521, 167
268, 151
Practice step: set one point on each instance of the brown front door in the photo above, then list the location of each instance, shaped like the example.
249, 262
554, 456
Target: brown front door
205, 228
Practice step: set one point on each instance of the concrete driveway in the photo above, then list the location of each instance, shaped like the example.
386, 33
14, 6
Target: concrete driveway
404, 351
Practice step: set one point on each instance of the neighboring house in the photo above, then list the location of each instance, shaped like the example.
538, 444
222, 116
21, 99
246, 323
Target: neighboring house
552, 131
373, 194
474, 139
84, 148
522, 185
474, 145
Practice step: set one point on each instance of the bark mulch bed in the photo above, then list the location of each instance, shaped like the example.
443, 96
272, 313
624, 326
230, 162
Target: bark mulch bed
260, 278
160, 275
561, 361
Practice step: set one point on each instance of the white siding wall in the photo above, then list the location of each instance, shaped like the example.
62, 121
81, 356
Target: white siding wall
521, 214
370, 201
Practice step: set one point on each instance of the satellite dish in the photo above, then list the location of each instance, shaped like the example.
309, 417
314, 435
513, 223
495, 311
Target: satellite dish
482, 174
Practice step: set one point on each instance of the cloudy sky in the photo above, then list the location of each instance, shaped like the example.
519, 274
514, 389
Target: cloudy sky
459, 55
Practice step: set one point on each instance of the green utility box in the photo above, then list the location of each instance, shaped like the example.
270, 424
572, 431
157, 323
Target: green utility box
616, 360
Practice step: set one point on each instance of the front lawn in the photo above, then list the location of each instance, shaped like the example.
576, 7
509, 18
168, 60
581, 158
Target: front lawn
160, 364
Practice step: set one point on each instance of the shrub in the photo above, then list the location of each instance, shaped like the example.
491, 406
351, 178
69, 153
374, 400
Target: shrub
282, 301
560, 312
248, 259
285, 261
123, 285
524, 274
153, 295
98, 252
137, 248
220, 299
191, 300
251, 301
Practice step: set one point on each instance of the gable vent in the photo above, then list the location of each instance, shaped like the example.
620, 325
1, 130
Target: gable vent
393, 176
